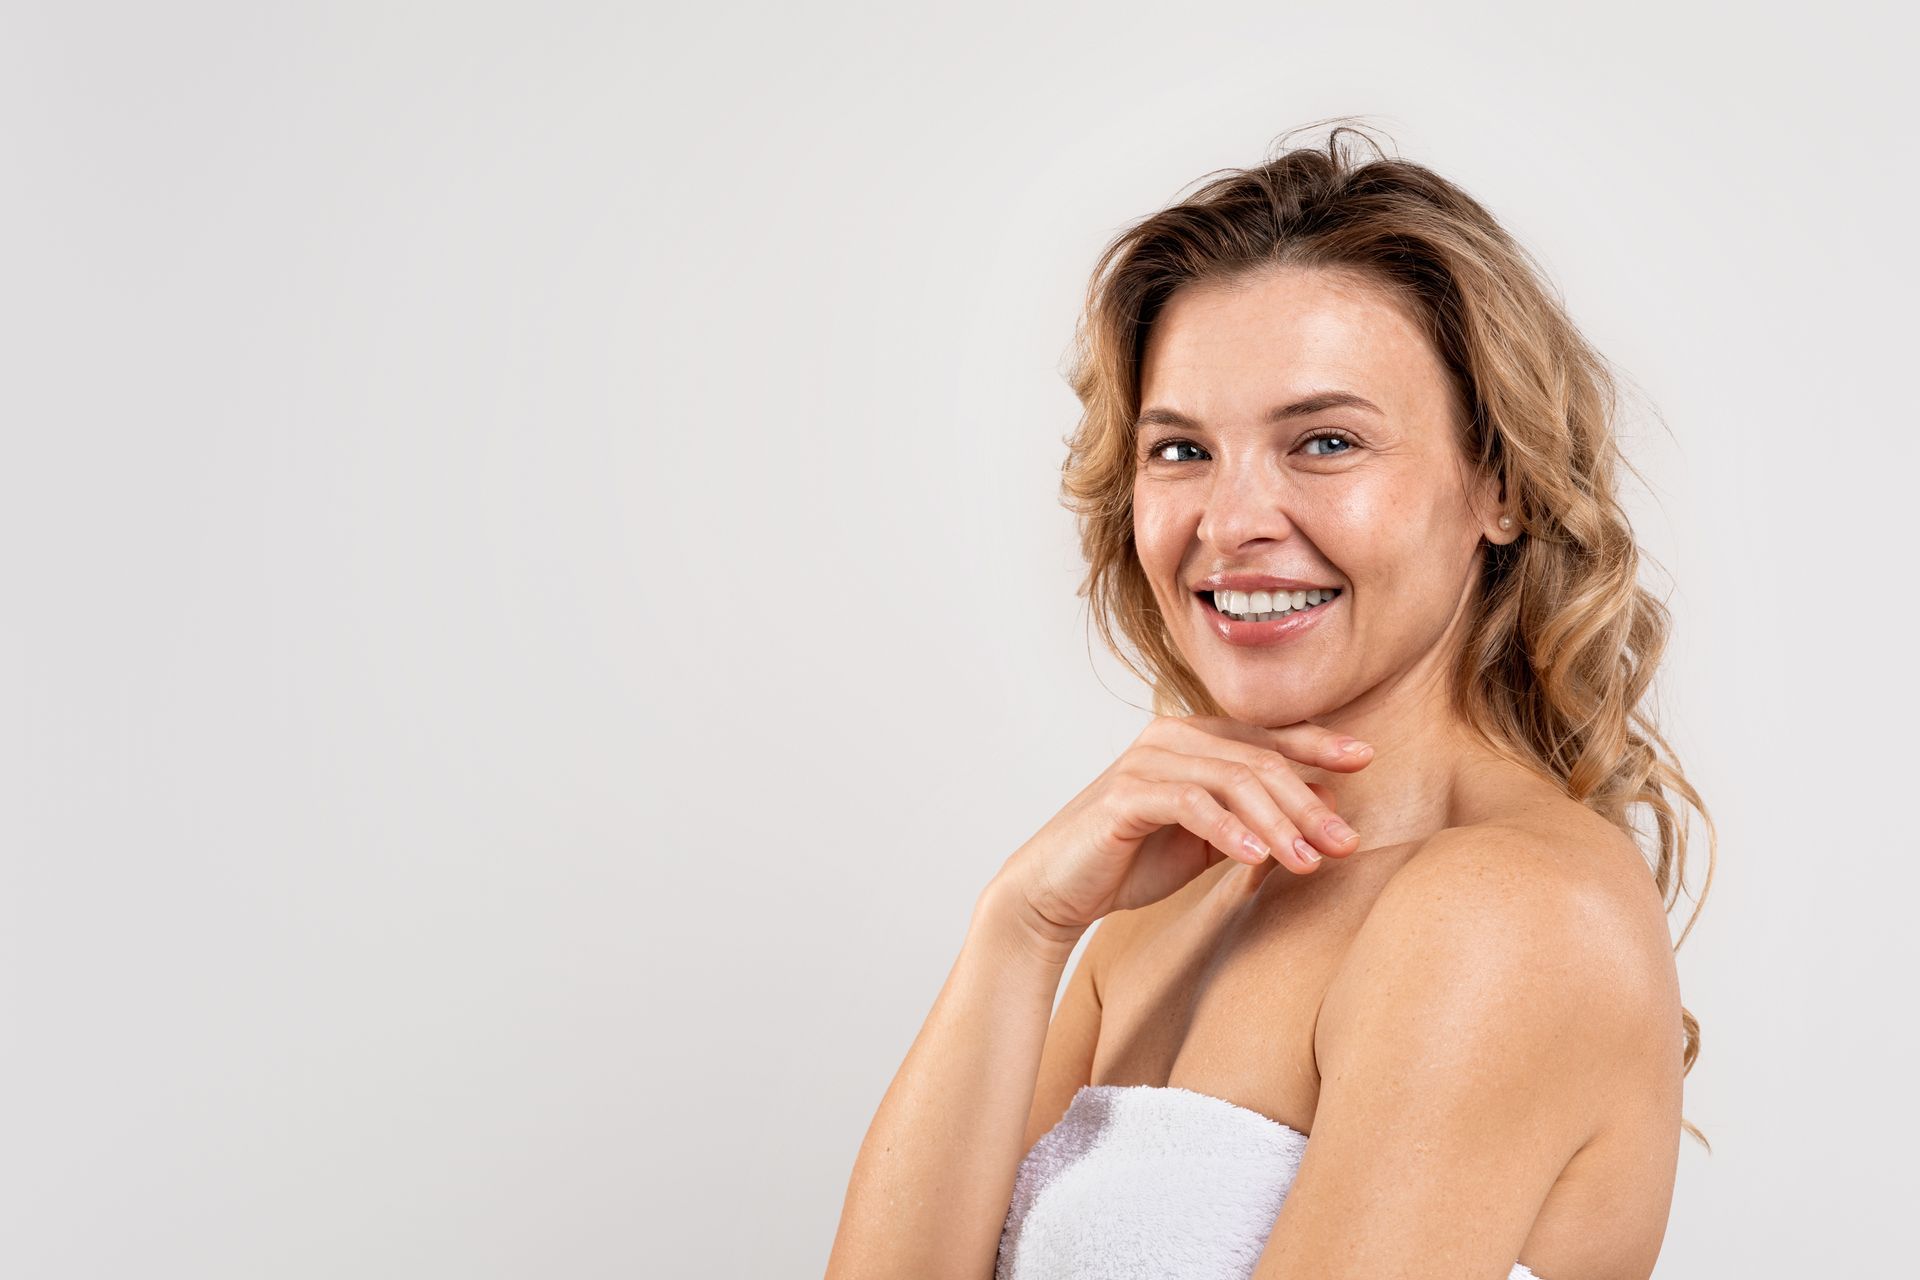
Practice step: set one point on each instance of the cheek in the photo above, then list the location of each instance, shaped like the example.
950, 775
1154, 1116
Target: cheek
1365, 536
1160, 538
1392, 530
1159, 532
1404, 553
1394, 551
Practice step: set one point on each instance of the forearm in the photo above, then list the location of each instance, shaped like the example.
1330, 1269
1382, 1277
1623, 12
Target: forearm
931, 1185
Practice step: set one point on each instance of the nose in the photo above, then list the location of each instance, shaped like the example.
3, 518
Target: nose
1244, 506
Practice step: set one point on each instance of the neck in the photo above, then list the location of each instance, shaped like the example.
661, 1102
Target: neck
1425, 762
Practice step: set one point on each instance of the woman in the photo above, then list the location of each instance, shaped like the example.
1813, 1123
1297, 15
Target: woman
1383, 983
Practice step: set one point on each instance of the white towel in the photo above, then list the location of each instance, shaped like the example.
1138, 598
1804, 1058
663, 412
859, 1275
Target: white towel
1151, 1181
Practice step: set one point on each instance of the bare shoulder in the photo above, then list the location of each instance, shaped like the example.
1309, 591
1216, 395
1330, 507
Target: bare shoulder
1525, 965
1546, 915
1121, 932
1552, 865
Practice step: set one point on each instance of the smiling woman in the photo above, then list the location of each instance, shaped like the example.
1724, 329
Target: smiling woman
1255, 498
1346, 488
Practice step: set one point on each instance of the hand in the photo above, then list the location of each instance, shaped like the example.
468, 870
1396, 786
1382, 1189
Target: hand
1189, 792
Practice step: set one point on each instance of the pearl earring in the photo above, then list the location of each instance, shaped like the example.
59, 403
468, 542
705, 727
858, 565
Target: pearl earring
1506, 522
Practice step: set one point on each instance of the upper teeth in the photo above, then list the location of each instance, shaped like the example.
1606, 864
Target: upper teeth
1270, 601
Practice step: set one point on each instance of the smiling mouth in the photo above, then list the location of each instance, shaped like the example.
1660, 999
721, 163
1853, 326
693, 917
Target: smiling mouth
1278, 604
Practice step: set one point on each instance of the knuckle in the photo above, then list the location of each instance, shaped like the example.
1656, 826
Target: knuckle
1145, 753
1271, 764
1156, 728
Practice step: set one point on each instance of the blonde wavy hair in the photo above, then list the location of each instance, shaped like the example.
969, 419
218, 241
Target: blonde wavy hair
1564, 640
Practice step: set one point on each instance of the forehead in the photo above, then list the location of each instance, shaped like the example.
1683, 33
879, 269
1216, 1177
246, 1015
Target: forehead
1226, 351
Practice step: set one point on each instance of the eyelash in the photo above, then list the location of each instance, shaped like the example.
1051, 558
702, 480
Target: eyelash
1151, 454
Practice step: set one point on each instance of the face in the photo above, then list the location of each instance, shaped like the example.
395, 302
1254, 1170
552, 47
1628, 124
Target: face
1239, 472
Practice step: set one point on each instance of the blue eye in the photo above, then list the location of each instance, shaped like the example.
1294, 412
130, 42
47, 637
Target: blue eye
1154, 453
1159, 447
1328, 435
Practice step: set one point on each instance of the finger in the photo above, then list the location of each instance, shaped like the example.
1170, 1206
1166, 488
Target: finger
1170, 802
1304, 741
1325, 793
1236, 786
1314, 744
1308, 812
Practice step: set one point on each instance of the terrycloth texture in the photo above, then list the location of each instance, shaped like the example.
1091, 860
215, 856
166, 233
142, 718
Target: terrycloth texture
1149, 1182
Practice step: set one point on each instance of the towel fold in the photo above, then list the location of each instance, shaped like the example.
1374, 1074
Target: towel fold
1151, 1181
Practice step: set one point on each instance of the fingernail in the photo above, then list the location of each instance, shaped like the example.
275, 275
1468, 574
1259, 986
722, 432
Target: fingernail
1253, 845
1340, 830
1306, 850
1355, 747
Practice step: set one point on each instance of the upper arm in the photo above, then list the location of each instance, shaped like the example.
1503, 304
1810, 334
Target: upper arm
1465, 1049
1066, 1060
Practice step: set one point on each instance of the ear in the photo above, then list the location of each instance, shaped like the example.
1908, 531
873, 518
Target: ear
1490, 505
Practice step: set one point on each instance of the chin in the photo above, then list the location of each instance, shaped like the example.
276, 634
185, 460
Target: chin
1268, 712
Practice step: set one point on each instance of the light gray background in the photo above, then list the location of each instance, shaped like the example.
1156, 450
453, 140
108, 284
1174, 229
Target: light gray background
535, 593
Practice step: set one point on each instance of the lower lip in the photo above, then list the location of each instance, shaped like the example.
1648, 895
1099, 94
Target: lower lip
1277, 631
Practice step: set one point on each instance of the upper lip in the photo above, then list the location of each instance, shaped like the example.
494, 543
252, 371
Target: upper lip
1256, 582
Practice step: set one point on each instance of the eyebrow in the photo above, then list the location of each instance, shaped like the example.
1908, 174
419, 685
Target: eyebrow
1317, 402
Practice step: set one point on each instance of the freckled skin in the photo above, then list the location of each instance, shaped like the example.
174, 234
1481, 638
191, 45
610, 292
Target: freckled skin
1255, 969
1391, 517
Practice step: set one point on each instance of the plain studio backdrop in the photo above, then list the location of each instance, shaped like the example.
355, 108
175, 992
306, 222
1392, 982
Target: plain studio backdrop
536, 594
